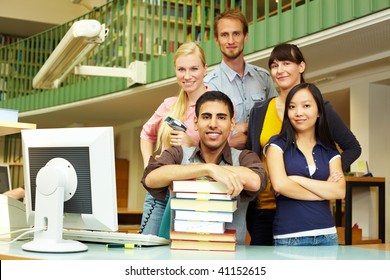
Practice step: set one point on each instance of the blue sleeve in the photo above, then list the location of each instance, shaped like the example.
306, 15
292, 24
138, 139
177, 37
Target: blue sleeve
211, 80
276, 140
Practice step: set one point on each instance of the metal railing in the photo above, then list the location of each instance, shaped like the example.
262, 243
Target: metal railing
151, 30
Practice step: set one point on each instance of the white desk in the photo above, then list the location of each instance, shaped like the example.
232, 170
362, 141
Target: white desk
100, 252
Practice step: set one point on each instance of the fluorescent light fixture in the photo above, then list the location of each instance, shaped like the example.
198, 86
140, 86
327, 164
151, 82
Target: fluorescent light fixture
135, 73
81, 39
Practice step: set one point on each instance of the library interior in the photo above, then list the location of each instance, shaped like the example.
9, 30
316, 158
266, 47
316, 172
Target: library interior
79, 79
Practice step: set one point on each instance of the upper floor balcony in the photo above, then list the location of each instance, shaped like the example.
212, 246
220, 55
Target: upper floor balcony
151, 31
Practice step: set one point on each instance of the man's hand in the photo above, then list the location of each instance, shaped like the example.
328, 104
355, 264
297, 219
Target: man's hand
241, 127
239, 138
229, 178
238, 141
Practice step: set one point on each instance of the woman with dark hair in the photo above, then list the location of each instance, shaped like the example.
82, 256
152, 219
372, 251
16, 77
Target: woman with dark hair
287, 66
305, 171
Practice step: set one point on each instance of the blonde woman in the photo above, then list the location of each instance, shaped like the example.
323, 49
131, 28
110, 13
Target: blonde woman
156, 135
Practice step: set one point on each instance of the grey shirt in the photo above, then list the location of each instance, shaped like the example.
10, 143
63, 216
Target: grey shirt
229, 156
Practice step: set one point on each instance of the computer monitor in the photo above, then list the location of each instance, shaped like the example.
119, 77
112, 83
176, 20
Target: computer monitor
69, 176
5, 178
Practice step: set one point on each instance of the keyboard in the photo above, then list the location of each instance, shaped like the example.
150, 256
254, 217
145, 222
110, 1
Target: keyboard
108, 237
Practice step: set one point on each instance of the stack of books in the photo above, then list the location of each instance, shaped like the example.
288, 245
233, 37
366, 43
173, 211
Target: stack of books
200, 210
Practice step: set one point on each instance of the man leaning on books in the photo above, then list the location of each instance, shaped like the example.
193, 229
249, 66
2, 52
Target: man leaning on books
240, 171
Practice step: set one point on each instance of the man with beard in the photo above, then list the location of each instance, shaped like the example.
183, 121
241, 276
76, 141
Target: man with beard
244, 83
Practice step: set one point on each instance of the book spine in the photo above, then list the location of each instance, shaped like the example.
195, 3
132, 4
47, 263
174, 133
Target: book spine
199, 226
203, 205
202, 186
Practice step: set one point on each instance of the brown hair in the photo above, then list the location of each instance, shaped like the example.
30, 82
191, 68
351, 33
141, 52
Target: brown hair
231, 14
289, 52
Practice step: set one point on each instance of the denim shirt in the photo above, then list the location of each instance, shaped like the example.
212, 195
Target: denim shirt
255, 86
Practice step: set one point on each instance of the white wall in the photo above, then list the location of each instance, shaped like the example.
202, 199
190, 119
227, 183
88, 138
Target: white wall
370, 114
380, 145
127, 146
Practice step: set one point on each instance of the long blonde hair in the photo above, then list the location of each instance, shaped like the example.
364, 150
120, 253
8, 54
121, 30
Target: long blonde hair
178, 110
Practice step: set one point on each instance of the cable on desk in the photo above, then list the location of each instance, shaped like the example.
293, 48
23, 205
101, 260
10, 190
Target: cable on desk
26, 231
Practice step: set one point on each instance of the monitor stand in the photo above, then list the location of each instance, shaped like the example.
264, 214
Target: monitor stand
56, 183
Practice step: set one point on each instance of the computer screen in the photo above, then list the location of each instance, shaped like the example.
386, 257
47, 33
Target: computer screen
69, 176
5, 178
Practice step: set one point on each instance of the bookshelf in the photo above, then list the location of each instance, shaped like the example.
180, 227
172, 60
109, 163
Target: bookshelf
152, 29
147, 29
6, 67
12, 152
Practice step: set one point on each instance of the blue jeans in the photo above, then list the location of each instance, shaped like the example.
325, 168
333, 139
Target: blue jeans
320, 240
152, 214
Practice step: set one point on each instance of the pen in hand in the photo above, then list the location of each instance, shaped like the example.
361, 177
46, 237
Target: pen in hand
125, 246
